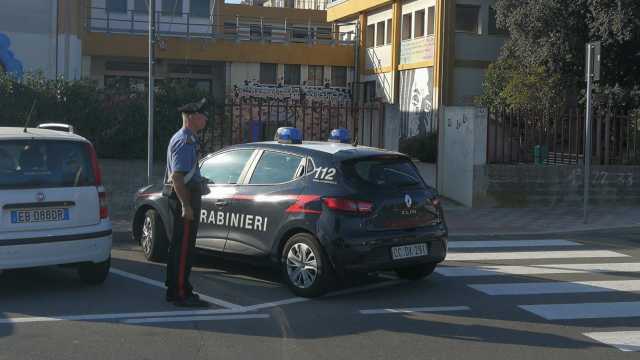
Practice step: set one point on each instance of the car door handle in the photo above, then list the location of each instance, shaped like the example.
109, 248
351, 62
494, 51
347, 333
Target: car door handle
222, 202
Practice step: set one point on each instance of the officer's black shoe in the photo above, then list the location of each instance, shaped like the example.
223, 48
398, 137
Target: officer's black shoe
192, 300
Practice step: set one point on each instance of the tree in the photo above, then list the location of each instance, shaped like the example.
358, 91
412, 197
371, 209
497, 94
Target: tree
542, 62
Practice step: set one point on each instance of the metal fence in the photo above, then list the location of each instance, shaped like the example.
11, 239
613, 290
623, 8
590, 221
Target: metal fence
557, 138
249, 120
236, 28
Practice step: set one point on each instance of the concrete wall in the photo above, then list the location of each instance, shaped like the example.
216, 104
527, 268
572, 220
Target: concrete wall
462, 148
551, 186
122, 178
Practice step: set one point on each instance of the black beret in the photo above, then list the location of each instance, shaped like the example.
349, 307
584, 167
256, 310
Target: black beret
193, 107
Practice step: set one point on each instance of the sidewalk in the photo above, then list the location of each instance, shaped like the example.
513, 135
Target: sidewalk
498, 221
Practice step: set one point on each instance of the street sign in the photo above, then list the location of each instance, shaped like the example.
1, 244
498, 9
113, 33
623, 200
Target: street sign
592, 68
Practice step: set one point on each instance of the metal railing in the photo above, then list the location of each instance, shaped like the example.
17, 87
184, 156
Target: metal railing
243, 120
557, 138
294, 4
232, 29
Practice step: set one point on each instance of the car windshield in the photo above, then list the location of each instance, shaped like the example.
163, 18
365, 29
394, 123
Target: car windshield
44, 163
382, 171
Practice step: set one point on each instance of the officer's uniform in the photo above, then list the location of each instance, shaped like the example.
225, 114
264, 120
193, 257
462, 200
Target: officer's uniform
182, 156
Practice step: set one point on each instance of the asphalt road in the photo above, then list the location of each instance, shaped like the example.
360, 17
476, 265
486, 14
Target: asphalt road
554, 297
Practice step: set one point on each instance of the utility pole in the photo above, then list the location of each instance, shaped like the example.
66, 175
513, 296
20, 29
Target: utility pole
592, 74
152, 37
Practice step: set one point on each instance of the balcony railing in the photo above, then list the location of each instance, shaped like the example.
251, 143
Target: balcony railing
237, 29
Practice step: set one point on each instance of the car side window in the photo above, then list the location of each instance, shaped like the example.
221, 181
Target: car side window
227, 167
276, 168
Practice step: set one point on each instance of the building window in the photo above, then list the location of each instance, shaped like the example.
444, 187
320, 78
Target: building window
254, 32
370, 39
419, 24
141, 6
172, 7
467, 18
125, 83
316, 75
200, 8
431, 20
117, 6
268, 73
380, 34
339, 76
291, 74
389, 31
493, 26
406, 26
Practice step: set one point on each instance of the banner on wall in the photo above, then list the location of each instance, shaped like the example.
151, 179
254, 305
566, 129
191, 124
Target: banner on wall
416, 102
417, 50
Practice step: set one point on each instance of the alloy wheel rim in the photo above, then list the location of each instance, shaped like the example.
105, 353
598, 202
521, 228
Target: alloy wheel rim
147, 235
302, 266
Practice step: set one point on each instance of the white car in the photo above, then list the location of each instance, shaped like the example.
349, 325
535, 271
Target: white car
53, 208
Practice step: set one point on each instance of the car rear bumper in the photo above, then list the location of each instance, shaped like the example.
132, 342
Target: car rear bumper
55, 250
374, 253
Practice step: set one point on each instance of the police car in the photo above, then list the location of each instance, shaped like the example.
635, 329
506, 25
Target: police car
53, 208
316, 209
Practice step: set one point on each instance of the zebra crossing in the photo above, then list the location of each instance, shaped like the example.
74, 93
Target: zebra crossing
472, 260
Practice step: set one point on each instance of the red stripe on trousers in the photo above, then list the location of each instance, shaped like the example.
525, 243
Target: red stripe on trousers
183, 259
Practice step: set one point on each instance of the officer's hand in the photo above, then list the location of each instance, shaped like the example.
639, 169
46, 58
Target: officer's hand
187, 213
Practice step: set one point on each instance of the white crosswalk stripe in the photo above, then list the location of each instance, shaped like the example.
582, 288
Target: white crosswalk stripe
541, 250
530, 255
573, 287
478, 244
623, 340
473, 271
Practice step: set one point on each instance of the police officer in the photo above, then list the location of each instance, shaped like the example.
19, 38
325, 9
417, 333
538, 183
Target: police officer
183, 177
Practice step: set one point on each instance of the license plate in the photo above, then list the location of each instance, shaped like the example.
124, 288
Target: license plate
39, 215
409, 251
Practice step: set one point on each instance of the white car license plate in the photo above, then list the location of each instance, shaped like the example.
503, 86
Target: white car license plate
409, 251
29, 216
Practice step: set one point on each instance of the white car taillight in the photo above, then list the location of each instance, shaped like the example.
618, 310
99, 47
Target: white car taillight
97, 174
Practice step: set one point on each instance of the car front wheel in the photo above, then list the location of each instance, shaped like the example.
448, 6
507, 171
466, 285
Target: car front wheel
305, 267
416, 272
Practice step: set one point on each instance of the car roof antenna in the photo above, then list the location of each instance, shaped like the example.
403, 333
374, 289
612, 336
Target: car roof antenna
26, 123
355, 141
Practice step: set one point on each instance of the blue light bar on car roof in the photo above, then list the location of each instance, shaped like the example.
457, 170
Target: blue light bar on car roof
340, 135
288, 135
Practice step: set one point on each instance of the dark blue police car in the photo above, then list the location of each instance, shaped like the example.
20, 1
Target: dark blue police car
316, 209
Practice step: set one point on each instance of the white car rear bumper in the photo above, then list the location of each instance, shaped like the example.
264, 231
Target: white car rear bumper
86, 246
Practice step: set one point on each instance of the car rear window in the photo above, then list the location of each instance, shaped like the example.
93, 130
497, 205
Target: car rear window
44, 163
382, 171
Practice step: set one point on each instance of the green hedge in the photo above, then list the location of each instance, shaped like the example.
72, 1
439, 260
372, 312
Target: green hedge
115, 121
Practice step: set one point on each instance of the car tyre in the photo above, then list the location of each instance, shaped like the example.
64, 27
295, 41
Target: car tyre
416, 272
153, 237
94, 273
305, 266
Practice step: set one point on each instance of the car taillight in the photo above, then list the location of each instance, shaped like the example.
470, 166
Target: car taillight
104, 208
97, 175
348, 205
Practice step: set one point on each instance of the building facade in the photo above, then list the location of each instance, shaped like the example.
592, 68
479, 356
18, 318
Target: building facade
226, 49
419, 55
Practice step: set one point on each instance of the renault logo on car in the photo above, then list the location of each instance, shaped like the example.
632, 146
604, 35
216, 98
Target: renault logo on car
40, 196
408, 201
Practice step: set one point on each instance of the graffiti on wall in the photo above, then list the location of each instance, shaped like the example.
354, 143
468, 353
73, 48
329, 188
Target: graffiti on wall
259, 109
8, 62
416, 102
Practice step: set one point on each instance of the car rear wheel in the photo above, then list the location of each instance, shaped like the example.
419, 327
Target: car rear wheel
416, 272
153, 238
94, 273
305, 267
